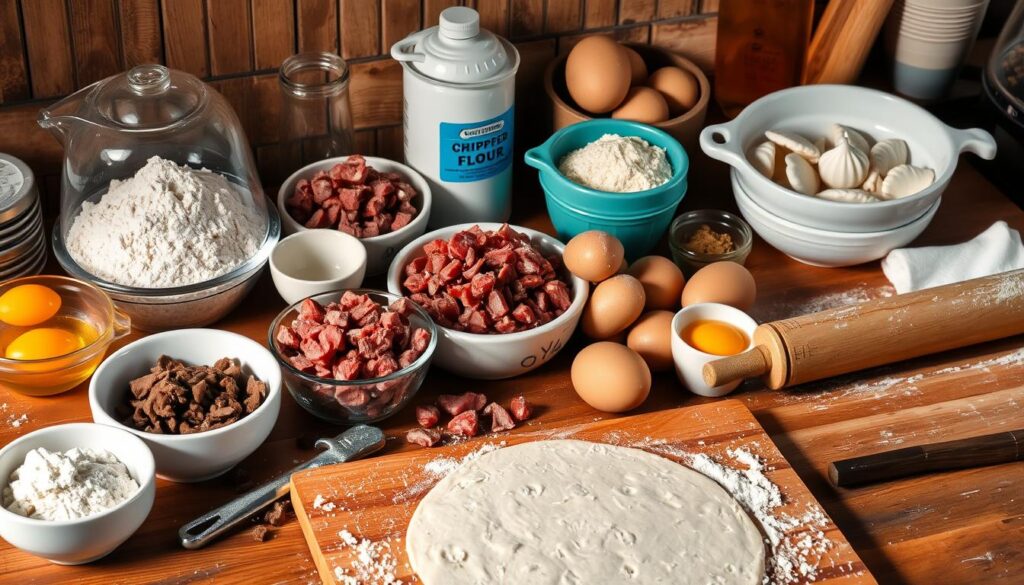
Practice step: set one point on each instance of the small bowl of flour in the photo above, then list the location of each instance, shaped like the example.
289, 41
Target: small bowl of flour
73, 493
174, 246
618, 176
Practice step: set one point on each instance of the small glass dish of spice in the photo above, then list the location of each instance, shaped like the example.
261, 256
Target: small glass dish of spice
698, 238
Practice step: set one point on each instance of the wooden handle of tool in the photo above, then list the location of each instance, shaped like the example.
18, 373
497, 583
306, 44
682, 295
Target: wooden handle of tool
960, 454
843, 40
897, 328
749, 364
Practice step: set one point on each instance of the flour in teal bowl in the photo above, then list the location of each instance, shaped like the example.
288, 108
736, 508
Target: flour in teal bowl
617, 164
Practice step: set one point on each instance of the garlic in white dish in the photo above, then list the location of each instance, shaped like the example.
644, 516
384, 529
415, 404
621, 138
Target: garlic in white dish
762, 157
801, 175
905, 180
847, 196
857, 140
795, 143
843, 167
887, 154
873, 183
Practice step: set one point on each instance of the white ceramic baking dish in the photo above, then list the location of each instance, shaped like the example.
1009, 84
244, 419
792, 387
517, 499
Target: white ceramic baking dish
823, 247
810, 111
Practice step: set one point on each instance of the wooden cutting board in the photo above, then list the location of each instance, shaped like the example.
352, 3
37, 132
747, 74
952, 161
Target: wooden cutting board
375, 498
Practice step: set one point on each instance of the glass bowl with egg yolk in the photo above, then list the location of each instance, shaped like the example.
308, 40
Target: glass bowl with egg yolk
54, 332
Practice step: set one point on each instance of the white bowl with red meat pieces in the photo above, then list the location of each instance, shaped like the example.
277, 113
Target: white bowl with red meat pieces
499, 295
382, 202
354, 357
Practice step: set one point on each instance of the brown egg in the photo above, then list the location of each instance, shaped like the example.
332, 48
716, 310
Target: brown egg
651, 337
594, 255
613, 306
721, 282
636, 66
610, 377
597, 74
642, 104
679, 87
662, 280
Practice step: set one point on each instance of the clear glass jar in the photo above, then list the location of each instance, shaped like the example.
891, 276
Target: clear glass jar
316, 121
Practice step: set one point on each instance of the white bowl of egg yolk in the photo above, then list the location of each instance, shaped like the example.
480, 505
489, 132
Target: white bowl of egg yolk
705, 332
54, 332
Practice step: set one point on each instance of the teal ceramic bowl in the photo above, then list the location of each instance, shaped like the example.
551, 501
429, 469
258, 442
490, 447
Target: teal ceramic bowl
638, 219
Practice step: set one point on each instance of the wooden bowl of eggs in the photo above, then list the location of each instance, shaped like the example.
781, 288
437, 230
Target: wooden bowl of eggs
601, 78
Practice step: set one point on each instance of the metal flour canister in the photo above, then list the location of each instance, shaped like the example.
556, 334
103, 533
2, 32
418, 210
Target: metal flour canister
459, 114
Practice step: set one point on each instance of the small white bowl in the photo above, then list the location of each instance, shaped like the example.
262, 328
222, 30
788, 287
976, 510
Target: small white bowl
379, 249
690, 361
498, 355
74, 542
311, 262
822, 247
810, 110
198, 456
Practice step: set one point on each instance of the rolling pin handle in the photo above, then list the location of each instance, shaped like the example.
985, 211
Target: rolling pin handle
749, 364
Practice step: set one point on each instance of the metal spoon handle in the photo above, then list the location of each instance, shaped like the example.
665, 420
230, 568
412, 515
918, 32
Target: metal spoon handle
356, 442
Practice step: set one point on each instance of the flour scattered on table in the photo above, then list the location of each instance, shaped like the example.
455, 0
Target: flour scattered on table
437, 468
373, 562
321, 503
797, 543
784, 308
14, 420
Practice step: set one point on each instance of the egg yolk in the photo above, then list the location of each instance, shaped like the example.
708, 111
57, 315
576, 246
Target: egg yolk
43, 343
715, 337
28, 304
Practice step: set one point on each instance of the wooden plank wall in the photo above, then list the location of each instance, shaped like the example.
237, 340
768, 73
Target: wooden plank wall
50, 48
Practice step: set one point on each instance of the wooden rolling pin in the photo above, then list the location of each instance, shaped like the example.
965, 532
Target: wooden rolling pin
991, 449
843, 40
877, 332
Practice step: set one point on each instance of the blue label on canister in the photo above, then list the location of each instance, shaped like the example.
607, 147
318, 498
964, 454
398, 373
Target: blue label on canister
473, 152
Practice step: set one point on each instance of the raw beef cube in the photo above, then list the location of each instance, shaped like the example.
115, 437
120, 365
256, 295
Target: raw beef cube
423, 437
456, 404
520, 408
311, 311
428, 416
287, 338
558, 293
501, 420
466, 424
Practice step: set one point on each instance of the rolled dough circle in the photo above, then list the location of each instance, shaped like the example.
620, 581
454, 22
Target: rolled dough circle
576, 512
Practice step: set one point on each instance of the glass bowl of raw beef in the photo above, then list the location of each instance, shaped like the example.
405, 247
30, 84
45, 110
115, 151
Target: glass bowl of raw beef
382, 202
354, 356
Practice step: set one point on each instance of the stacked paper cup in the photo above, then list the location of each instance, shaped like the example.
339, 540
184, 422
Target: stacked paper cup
929, 40
22, 238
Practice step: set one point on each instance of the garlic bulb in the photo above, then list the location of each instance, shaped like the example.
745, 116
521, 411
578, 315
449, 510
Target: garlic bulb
795, 143
857, 140
873, 183
844, 166
801, 175
763, 158
888, 153
904, 181
848, 196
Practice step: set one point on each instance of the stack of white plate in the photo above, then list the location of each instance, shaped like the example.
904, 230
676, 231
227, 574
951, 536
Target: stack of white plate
22, 238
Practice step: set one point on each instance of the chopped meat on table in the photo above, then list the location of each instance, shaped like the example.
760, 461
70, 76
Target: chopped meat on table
456, 404
423, 437
501, 420
520, 408
428, 416
466, 424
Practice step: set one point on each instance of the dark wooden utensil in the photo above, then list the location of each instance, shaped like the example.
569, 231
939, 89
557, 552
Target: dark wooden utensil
960, 454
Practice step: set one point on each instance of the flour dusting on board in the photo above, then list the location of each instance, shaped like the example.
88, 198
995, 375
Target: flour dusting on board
373, 564
784, 308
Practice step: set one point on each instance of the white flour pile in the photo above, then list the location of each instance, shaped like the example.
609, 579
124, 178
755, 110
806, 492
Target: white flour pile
374, 564
166, 226
618, 164
69, 485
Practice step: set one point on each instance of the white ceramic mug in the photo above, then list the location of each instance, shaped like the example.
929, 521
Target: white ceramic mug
690, 361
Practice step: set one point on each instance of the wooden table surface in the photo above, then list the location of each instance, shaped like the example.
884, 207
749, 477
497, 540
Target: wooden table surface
960, 527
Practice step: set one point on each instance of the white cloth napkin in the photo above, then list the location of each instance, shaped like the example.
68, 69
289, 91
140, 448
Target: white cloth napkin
997, 249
